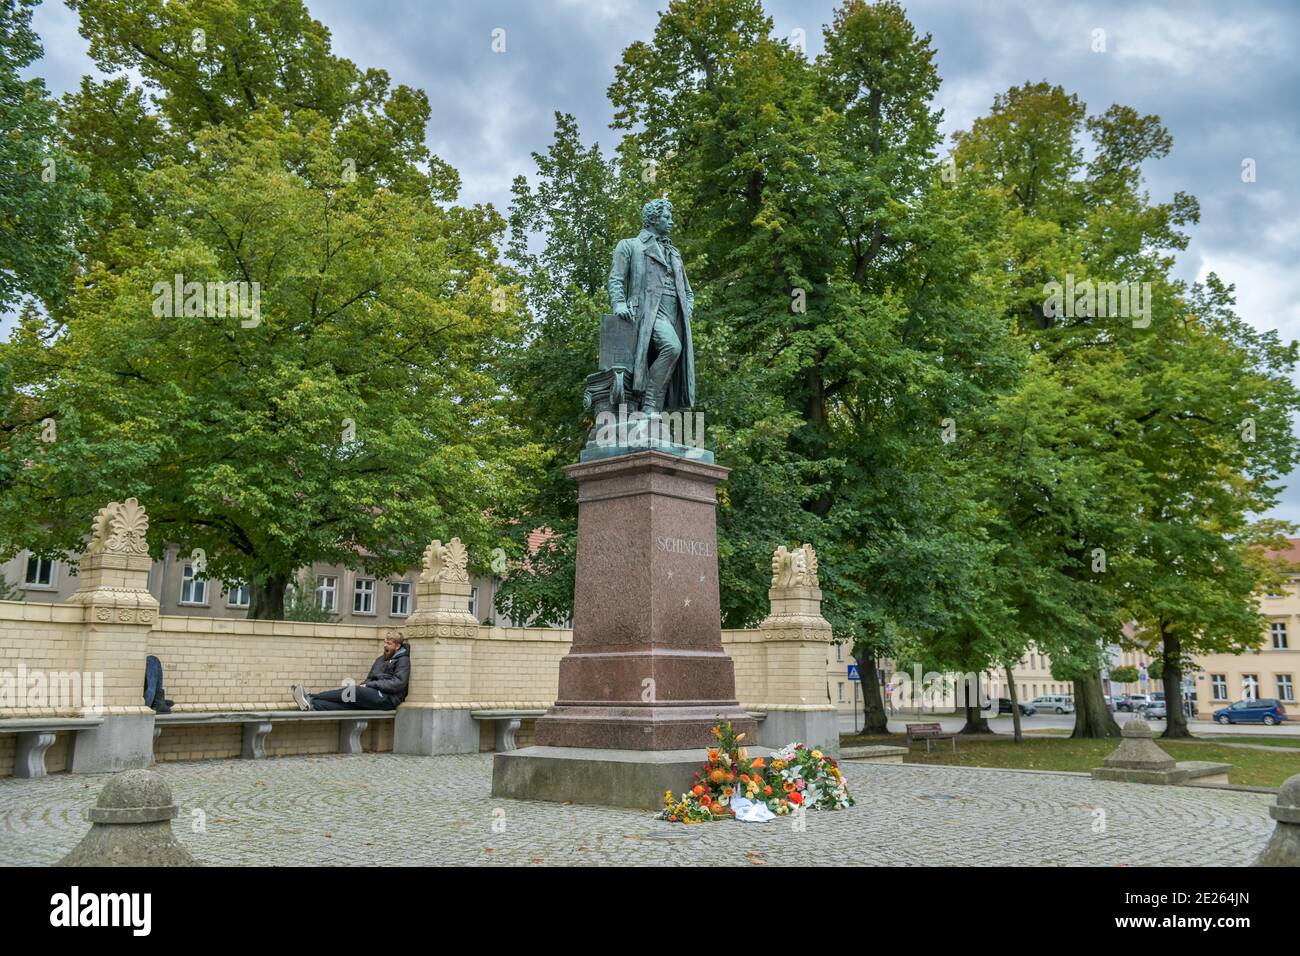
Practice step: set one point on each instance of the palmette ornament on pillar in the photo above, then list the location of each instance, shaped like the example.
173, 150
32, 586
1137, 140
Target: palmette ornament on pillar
795, 569
113, 577
442, 594
120, 527
449, 562
795, 597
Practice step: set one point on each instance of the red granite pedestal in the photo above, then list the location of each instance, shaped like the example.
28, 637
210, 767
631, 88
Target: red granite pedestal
646, 672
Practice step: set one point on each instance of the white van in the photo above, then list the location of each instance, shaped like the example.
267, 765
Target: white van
1054, 704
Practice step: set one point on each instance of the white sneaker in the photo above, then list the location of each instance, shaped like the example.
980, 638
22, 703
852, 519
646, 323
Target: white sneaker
301, 697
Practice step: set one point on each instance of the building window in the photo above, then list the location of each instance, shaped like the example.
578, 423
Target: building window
239, 594
1219, 686
401, 603
839, 652
841, 686
363, 596
1285, 689
473, 601
40, 572
1250, 686
327, 592
194, 590
1278, 629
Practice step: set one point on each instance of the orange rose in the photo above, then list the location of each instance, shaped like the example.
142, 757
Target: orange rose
767, 789
697, 790
706, 800
717, 776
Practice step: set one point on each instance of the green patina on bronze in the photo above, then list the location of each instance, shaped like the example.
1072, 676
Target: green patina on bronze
648, 288
647, 358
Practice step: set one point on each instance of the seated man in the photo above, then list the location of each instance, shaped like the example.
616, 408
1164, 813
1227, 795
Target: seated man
383, 689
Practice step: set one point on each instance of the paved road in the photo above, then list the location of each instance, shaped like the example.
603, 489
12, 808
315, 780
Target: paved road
1003, 724
340, 810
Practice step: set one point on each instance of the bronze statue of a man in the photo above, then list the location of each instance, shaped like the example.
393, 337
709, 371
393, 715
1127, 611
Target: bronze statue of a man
648, 287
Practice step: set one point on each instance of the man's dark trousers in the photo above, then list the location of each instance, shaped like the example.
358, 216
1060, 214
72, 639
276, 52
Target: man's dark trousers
366, 699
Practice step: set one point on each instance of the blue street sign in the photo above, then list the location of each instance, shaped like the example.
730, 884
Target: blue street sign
853, 672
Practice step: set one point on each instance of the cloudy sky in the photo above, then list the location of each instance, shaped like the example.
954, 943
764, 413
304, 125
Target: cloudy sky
1223, 77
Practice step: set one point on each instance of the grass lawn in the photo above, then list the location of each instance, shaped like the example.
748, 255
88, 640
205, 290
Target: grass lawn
1267, 741
1257, 768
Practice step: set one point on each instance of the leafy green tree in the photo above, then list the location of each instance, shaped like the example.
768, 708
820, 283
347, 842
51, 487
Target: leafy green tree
845, 280
356, 413
1216, 437
43, 190
577, 207
1124, 675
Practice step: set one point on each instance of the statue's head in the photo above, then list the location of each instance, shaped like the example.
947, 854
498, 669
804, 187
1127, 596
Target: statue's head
657, 216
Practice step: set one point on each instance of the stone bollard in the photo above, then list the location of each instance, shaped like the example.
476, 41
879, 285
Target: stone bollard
1138, 751
1138, 759
131, 825
1283, 847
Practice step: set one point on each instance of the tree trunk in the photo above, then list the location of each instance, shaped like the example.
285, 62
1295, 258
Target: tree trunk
1175, 719
1092, 718
976, 722
874, 719
1015, 705
267, 602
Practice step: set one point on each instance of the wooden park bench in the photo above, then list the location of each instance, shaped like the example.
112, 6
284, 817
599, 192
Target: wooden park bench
257, 725
930, 733
36, 735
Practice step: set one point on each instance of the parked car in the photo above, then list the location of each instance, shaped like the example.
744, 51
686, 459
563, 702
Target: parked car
1155, 710
1004, 707
1267, 711
1054, 703
1134, 702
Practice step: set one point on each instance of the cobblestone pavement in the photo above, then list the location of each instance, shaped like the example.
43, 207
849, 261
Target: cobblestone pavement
390, 809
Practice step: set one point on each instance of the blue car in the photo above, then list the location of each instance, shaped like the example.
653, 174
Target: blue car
1267, 711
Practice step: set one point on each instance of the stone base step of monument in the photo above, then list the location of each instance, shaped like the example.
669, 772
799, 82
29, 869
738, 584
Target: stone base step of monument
1185, 773
594, 777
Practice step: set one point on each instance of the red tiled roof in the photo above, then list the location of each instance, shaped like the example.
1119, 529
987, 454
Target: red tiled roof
1291, 554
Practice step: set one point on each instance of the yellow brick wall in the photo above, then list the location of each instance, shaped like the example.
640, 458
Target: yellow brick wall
40, 637
518, 665
216, 664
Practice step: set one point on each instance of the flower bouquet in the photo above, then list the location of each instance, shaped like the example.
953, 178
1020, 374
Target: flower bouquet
795, 776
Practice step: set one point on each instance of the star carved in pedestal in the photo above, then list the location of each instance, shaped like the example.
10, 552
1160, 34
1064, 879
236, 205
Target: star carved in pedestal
701, 579
686, 603
670, 574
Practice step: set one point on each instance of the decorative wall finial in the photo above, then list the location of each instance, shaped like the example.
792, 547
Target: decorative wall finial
445, 562
120, 528
795, 569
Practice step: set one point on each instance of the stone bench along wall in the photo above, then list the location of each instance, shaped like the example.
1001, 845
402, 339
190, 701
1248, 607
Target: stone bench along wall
457, 665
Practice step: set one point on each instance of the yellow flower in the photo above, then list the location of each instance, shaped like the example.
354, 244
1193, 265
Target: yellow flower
817, 754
